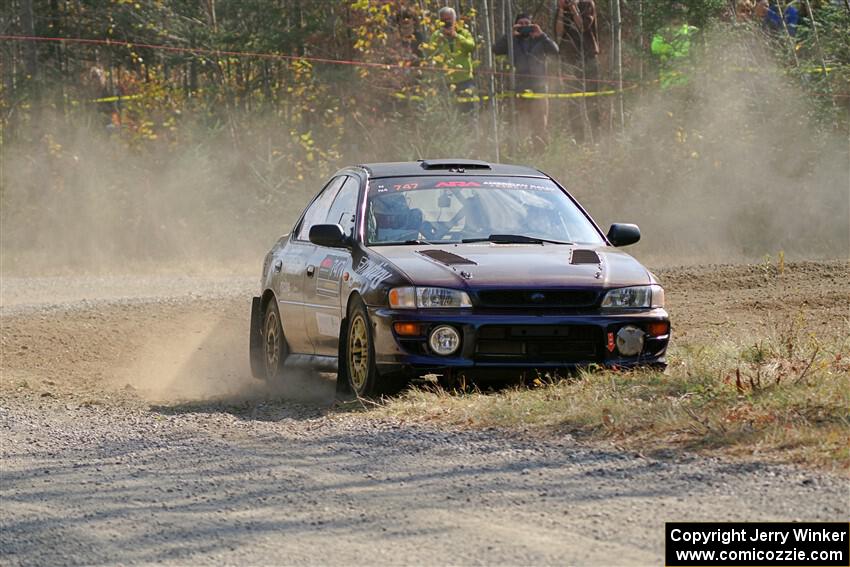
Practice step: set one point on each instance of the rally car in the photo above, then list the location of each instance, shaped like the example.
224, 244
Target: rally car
451, 267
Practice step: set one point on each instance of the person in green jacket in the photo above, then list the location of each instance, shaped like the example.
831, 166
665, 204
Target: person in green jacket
671, 46
451, 47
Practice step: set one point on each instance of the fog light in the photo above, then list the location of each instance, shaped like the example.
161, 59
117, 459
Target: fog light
630, 340
444, 340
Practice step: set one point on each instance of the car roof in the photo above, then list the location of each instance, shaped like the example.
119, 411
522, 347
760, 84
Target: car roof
444, 166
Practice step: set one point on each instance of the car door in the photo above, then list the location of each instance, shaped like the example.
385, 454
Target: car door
293, 267
324, 299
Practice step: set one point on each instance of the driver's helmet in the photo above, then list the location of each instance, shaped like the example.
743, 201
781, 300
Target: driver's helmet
391, 211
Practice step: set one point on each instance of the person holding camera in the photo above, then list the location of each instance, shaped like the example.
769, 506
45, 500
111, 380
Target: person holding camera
451, 46
530, 48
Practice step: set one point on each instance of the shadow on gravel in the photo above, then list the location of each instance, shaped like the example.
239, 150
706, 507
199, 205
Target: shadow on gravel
184, 493
303, 397
268, 410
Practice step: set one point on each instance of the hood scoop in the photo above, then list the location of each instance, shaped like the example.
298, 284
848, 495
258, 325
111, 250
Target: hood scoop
584, 257
447, 258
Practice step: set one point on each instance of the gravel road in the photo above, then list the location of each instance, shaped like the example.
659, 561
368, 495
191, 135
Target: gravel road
132, 433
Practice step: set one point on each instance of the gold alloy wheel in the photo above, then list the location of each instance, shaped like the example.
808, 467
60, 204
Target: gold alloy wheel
272, 343
358, 353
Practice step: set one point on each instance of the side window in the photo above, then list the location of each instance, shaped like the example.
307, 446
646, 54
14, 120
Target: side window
344, 207
315, 213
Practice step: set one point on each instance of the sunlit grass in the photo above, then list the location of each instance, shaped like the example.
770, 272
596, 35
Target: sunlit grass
781, 398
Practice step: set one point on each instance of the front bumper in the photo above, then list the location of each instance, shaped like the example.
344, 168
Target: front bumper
492, 340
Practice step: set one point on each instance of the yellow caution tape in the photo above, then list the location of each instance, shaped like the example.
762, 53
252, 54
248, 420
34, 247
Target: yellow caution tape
522, 95
116, 98
820, 70
786, 71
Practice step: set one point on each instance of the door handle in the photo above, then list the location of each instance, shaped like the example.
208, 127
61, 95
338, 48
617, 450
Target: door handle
310, 271
278, 265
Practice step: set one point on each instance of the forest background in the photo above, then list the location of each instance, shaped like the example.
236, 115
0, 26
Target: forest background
190, 134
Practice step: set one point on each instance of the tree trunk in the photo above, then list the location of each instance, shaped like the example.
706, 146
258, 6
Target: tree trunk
30, 48
618, 22
491, 81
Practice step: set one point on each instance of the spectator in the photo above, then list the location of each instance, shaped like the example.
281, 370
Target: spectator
451, 46
773, 21
530, 47
761, 10
576, 32
743, 10
671, 46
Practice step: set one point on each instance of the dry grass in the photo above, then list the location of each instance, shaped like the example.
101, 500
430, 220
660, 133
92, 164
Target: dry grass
783, 398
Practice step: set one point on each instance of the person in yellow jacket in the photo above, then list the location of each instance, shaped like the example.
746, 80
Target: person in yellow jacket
671, 46
451, 47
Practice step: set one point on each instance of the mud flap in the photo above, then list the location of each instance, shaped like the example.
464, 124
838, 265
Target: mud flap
255, 342
343, 386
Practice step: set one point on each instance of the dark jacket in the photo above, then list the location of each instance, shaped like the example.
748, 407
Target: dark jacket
529, 60
579, 45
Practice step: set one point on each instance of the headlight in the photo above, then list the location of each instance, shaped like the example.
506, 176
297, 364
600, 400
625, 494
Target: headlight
425, 297
641, 296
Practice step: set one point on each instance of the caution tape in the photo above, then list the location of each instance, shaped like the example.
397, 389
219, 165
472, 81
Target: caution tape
117, 98
533, 95
473, 98
528, 95
826, 70
756, 70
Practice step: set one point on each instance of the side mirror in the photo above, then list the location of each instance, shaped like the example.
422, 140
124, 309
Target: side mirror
622, 234
330, 235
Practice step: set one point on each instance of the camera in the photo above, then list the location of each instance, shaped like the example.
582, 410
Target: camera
525, 30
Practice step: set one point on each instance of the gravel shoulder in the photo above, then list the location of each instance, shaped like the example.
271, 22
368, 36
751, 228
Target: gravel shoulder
132, 433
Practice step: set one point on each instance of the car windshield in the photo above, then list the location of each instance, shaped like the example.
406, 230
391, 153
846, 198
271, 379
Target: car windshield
415, 210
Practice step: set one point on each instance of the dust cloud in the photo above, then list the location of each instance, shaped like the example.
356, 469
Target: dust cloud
737, 165
83, 198
734, 166
201, 356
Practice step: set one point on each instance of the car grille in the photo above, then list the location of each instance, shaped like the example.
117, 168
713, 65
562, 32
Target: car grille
538, 343
525, 299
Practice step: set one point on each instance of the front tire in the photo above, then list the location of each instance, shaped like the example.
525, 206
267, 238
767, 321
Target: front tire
358, 357
275, 349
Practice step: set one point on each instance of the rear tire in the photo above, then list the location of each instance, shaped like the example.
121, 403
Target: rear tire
275, 349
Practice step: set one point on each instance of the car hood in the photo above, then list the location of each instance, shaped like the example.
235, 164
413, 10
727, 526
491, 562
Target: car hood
486, 264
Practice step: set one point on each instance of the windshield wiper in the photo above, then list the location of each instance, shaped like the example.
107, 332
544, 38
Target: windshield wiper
514, 239
417, 241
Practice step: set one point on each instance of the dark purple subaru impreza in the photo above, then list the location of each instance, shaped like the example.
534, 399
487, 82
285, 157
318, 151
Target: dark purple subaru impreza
451, 267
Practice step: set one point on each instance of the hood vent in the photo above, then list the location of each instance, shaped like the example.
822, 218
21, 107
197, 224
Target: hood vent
447, 258
584, 257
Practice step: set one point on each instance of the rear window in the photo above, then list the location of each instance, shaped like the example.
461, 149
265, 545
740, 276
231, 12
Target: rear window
450, 209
